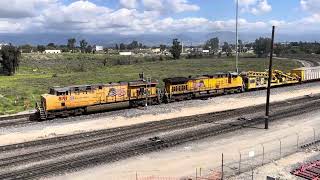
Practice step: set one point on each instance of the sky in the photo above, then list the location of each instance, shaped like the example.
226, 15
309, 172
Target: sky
157, 16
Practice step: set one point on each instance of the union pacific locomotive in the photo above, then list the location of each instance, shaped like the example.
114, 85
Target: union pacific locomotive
76, 100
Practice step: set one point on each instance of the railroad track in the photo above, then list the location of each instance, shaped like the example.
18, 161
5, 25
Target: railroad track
109, 156
16, 120
22, 119
176, 123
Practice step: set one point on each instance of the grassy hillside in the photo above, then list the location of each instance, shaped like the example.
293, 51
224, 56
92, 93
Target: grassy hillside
39, 72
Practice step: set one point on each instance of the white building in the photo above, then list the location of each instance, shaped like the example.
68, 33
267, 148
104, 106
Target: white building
98, 48
125, 53
52, 51
156, 50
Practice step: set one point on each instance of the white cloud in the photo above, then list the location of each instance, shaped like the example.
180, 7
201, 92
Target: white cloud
10, 26
312, 6
278, 23
255, 7
77, 15
151, 16
129, 4
168, 6
19, 9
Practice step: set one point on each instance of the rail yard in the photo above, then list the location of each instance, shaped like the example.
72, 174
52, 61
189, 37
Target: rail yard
159, 90
40, 155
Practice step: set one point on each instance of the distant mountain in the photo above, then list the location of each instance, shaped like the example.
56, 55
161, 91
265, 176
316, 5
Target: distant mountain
190, 38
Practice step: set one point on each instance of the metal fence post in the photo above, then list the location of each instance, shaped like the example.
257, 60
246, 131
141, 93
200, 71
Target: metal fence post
196, 173
280, 147
314, 135
297, 141
262, 154
136, 175
222, 167
252, 174
200, 172
239, 163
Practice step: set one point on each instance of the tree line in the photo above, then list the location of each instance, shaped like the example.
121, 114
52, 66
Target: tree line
9, 59
70, 46
10, 55
261, 47
83, 47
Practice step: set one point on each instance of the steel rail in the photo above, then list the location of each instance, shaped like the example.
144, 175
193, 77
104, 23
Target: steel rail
170, 140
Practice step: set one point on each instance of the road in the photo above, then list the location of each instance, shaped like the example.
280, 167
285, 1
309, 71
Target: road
304, 63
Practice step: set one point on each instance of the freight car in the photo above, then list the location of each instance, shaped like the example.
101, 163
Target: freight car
307, 73
76, 100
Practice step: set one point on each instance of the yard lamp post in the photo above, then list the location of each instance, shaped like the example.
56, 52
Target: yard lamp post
237, 53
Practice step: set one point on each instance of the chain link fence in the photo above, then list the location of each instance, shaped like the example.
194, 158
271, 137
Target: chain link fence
243, 161
254, 156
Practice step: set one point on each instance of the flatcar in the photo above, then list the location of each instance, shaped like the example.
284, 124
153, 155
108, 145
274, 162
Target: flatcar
259, 80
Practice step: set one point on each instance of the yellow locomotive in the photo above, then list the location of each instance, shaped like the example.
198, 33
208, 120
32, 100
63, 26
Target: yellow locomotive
180, 88
75, 100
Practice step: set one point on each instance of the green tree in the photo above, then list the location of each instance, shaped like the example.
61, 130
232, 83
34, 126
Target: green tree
162, 47
279, 49
240, 46
227, 49
89, 49
72, 44
261, 46
41, 48
176, 49
133, 45
83, 45
10, 59
51, 46
27, 48
212, 44
123, 46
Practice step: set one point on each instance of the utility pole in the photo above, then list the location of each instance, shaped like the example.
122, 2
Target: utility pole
266, 123
237, 53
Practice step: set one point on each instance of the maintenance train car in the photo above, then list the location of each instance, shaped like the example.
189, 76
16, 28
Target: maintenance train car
259, 80
76, 100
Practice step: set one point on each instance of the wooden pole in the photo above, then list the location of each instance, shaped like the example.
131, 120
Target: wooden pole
266, 124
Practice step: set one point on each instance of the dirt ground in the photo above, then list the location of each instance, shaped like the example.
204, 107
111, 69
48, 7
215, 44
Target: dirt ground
151, 113
183, 160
